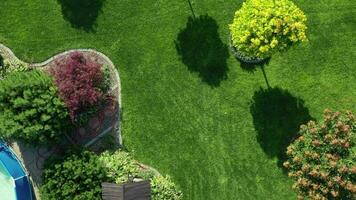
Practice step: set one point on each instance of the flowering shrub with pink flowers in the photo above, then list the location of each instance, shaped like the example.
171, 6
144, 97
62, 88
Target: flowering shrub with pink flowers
322, 160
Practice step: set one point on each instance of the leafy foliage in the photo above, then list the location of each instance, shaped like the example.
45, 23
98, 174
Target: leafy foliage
30, 108
104, 85
8, 66
118, 166
79, 177
78, 79
164, 189
262, 27
322, 160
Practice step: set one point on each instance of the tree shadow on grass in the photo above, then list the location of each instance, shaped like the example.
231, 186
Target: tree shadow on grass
277, 116
81, 14
201, 49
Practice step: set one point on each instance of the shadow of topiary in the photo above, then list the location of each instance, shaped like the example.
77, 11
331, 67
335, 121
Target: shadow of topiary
201, 49
81, 14
277, 116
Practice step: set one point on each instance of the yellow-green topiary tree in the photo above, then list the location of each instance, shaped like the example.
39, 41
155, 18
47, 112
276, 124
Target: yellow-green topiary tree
263, 27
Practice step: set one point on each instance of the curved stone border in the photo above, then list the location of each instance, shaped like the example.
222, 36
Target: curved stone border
7, 53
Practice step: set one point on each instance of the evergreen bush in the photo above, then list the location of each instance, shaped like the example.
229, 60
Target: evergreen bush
30, 108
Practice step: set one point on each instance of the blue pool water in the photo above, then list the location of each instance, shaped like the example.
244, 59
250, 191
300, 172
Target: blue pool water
14, 183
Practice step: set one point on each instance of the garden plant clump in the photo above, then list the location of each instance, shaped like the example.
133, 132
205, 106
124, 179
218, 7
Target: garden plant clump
8, 66
30, 108
83, 83
120, 164
79, 176
263, 27
322, 160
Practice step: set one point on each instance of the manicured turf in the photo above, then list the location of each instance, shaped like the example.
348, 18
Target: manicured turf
218, 132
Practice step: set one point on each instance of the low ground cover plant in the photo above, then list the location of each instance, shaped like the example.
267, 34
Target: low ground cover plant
80, 176
8, 66
263, 27
163, 188
322, 160
30, 108
82, 83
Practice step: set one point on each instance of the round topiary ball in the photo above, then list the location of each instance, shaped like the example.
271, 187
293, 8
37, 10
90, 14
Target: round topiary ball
263, 27
322, 161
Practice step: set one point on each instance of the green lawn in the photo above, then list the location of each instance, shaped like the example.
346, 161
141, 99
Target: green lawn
217, 131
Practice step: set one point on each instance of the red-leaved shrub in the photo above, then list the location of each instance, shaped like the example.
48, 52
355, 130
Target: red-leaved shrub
77, 77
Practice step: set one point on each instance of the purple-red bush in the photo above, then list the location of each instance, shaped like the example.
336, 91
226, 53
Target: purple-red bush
77, 78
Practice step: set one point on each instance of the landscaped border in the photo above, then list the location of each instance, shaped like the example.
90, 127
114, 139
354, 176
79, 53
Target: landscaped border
115, 87
33, 158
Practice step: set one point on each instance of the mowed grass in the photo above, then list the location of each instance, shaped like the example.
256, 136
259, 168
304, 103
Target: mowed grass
189, 109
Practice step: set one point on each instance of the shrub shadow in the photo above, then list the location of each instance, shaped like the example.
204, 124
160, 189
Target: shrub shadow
277, 116
201, 49
81, 14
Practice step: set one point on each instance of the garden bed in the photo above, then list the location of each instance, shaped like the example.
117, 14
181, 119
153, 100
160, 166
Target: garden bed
105, 122
107, 118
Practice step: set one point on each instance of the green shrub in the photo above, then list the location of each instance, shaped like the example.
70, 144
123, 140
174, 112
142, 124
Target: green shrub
118, 166
262, 27
322, 160
8, 66
105, 84
30, 109
164, 189
79, 177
